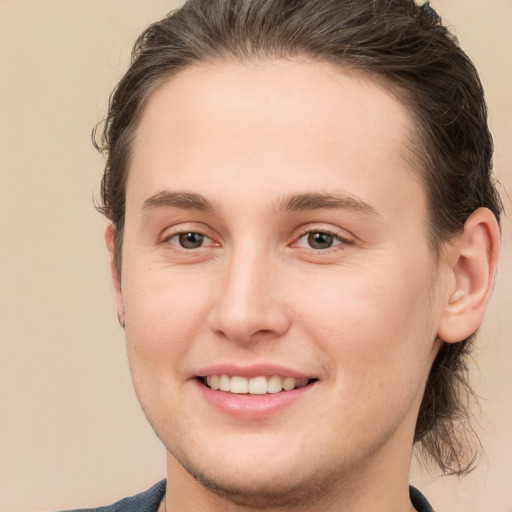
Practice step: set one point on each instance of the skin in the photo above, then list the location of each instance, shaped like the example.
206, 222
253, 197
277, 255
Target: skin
363, 317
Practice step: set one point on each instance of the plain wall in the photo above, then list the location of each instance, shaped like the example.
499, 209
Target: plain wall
71, 432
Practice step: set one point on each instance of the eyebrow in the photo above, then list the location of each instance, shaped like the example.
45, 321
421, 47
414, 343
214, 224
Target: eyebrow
290, 203
317, 201
181, 200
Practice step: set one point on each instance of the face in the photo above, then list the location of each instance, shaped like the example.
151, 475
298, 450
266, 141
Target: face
277, 285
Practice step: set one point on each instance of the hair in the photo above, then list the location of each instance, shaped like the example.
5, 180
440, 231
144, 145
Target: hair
398, 43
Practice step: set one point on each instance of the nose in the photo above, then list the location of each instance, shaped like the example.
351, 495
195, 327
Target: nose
249, 305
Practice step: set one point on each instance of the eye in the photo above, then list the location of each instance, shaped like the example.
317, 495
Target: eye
319, 240
189, 240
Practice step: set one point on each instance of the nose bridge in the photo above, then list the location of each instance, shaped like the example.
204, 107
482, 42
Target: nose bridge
247, 305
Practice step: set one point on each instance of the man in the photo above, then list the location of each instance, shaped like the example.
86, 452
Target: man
304, 236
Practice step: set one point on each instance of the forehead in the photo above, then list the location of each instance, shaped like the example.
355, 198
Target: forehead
216, 126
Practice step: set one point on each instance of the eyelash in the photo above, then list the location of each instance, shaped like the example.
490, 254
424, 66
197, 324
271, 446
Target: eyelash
168, 239
331, 237
343, 242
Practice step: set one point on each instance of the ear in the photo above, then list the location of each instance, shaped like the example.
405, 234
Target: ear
114, 271
473, 258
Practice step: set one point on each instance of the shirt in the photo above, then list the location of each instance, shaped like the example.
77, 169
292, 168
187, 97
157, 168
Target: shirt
149, 501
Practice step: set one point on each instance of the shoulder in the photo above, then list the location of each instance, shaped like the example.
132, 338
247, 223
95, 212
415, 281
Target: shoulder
147, 501
419, 501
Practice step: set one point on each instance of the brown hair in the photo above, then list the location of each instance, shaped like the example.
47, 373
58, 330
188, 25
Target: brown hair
401, 44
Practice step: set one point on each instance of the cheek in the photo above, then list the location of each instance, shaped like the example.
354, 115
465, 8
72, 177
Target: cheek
162, 316
376, 324
377, 343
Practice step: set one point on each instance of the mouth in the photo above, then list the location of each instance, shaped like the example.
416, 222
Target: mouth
260, 385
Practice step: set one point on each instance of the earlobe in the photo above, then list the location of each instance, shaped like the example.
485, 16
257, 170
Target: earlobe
114, 272
474, 257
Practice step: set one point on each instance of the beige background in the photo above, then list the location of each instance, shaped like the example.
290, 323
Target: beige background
71, 433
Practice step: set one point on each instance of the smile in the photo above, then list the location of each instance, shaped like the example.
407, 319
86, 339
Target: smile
260, 385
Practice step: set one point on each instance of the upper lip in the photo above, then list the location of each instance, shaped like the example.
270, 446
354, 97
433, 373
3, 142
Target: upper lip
251, 371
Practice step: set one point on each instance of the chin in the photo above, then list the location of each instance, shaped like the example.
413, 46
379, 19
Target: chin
258, 485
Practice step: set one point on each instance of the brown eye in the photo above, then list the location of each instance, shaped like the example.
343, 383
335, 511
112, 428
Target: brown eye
319, 240
190, 240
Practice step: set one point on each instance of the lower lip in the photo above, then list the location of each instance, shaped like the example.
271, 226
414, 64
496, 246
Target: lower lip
252, 406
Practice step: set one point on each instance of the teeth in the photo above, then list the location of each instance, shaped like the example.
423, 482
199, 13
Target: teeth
214, 381
275, 384
239, 385
301, 382
289, 384
256, 386
224, 383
